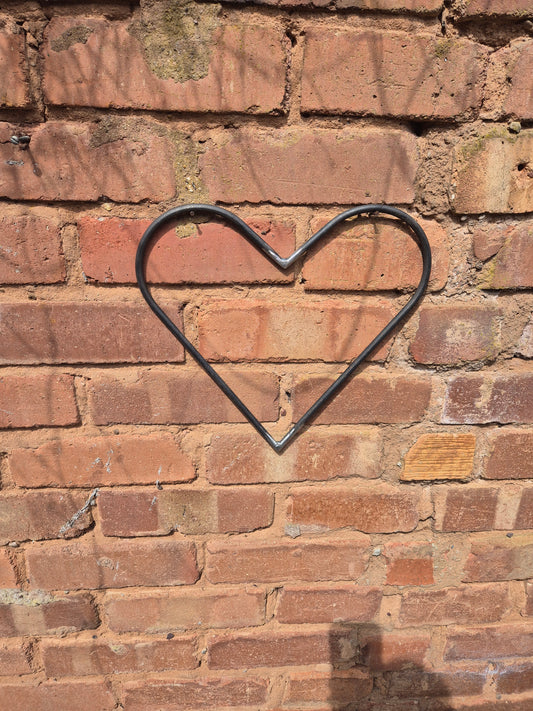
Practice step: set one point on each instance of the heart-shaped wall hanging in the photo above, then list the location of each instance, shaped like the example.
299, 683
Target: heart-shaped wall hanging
211, 211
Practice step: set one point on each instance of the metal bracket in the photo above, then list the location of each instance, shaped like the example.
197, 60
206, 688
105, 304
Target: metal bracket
212, 211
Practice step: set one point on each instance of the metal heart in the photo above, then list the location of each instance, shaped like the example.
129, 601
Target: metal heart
243, 229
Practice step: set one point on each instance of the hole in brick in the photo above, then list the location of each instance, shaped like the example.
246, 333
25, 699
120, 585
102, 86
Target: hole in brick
521, 166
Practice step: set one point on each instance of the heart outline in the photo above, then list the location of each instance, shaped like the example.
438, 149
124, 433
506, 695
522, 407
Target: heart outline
197, 210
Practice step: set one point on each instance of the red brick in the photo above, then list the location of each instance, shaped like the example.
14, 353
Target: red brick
529, 603
416, 683
415, 6
111, 565
409, 563
511, 253
115, 655
496, 557
13, 68
8, 579
518, 8
273, 562
86, 333
141, 512
121, 159
465, 508
366, 399
259, 330
31, 250
159, 612
510, 455
489, 173
13, 658
525, 344
347, 603
37, 401
53, 695
477, 399
524, 515
108, 248
315, 455
148, 695
280, 649
448, 335
388, 81
374, 256
388, 651
510, 68
343, 687
249, 59
461, 605
515, 679
440, 456
101, 461
310, 166
186, 397
371, 509
35, 613
38, 515
489, 643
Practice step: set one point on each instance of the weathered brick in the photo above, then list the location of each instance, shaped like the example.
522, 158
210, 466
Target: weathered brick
417, 683
8, 579
343, 687
440, 456
510, 250
486, 643
112, 565
259, 330
509, 70
525, 344
449, 335
465, 508
186, 397
152, 512
347, 603
409, 563
510, 455
315, 455
122, 159
415, 6
518, 8
496, 557
524, 514
247, 58
36, 613
54, 695
372, 509
311, 166
101, 461
31, 250
374, 256
389, 651
366, 399
13, 67
279, 649
514, 679
38, 515
86, 333
491, 173
115, 655
37, 401
148, 695
461, 605
13, 658
273, 562
159, 612
477, 399
108, 247
388, 80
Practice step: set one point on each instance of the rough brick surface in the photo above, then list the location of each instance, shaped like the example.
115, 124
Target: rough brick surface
13, 659
13, 68
497, 642
86, 333
101, 461
23, 613
511, 455
344, 686
476, 399
509, 252
209, 254
409, 563
440, 456
311, 167
466, 509
69, 161
79, 694
388, 79
8, 578
31, 251
518, 8
37, 401
510, 68
338, 604
247, 58
497, 557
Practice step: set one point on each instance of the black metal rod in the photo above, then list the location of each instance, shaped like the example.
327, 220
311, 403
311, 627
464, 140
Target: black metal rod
188, 211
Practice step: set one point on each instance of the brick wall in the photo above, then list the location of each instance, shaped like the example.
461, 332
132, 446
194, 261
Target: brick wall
384, 562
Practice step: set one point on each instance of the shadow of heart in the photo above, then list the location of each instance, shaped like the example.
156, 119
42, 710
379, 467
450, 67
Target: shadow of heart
212, 211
